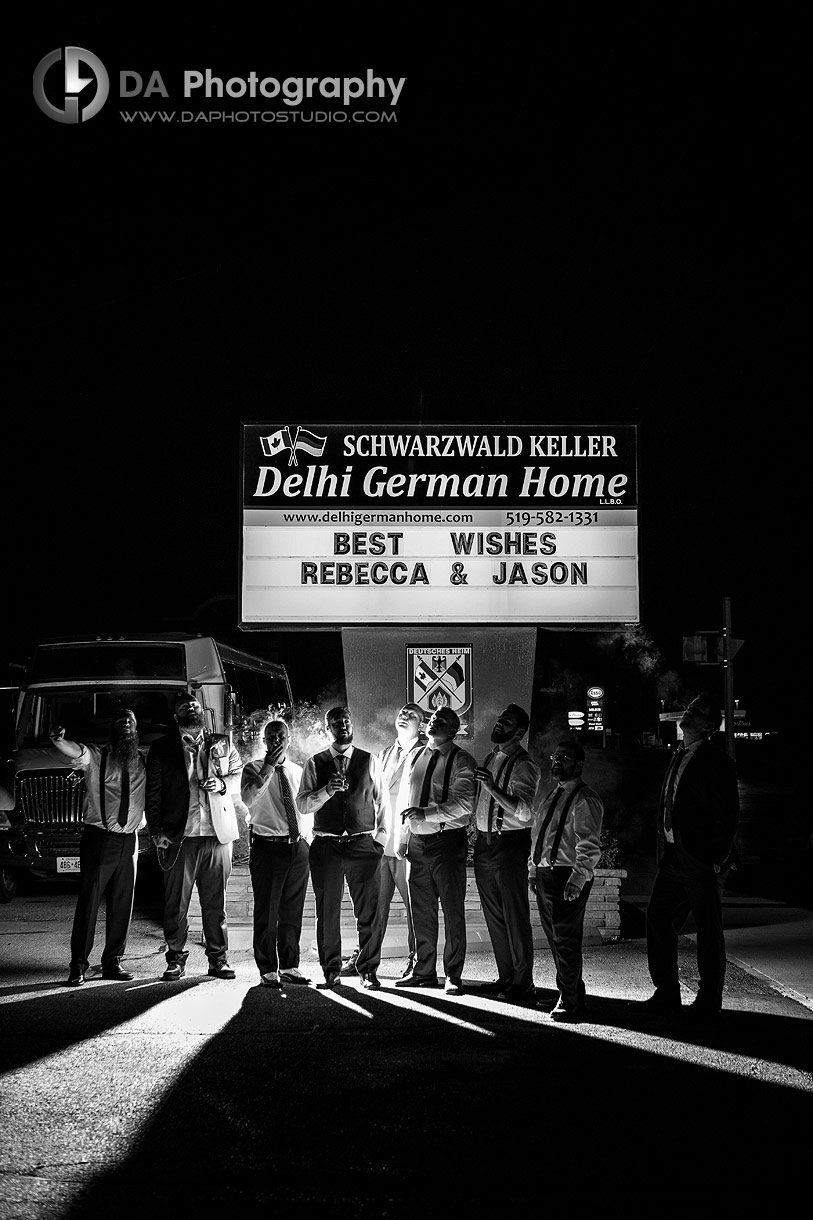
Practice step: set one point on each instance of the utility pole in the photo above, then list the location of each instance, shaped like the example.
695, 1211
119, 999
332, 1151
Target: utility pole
728, 676
714, 648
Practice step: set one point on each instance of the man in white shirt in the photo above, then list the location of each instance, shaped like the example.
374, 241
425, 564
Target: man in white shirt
115, 779
278, 858
565, 850
507, 782
437, 801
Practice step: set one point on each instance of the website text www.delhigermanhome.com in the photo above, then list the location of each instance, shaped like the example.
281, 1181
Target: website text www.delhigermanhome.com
351, 517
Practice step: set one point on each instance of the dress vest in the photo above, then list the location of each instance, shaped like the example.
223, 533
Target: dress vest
352, 811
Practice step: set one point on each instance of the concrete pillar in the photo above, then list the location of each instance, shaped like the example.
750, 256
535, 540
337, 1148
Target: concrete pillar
375, 670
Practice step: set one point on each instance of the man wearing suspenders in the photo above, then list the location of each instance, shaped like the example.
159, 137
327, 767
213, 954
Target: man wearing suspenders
507, 783
437, 799
115, 779
565, 849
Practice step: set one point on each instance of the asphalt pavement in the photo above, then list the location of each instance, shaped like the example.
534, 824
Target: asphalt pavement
162, 1099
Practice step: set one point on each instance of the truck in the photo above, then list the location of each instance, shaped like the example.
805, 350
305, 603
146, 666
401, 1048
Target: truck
79, 682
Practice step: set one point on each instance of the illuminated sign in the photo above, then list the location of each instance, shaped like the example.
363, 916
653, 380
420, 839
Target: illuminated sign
356, 524
595, 709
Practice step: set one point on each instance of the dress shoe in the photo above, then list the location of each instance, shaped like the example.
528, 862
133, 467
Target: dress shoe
270, 979
567, 1016
331, 980
293, 977
701, 1010
221, 970
116, 972
75, 979
660, 1001
370, 980
418, 980
174, 972
496, 987
349, 967
453, 987
410, 966
519, 995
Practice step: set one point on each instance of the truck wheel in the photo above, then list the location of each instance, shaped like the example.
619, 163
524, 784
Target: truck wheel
8, 885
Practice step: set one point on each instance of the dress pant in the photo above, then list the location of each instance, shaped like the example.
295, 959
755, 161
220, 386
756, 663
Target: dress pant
392, 876
107, 867
354, 858
279, 881
501, 874
437, 873
564, 927
206, 863
683, 885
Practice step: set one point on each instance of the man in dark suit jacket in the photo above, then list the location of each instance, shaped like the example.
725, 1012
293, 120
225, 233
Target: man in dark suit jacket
192, 779
697, 821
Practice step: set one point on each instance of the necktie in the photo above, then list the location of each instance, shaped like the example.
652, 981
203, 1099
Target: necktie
341, 767
669, 795
124, 803
288, 802
540, 838
427, 779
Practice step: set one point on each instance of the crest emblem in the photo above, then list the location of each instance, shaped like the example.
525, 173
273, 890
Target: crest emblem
439, 676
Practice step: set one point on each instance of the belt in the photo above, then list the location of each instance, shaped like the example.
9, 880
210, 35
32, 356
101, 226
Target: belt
275, 839
431, 838
358, 834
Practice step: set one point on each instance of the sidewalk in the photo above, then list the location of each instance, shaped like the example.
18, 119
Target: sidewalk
767, 939
171, 1099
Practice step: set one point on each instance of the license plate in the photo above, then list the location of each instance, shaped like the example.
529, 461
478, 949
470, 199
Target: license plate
67, 864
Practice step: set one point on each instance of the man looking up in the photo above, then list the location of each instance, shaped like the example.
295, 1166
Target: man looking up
344, 790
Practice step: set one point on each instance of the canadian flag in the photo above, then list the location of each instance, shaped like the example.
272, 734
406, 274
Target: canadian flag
276, 443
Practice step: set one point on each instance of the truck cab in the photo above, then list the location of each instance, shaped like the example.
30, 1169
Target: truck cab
80, 683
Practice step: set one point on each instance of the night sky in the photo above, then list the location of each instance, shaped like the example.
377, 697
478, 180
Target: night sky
593, 218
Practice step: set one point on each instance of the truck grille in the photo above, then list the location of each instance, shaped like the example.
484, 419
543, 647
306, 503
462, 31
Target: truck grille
51, 800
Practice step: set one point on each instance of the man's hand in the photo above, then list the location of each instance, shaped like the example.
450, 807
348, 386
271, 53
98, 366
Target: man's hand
211, 784
57, 734
572, 892
162, 840
485, 777
336, 783
414, 811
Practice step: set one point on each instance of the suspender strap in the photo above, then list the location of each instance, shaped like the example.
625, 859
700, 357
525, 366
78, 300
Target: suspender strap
554, 851
447, 774
504, 774
447, 779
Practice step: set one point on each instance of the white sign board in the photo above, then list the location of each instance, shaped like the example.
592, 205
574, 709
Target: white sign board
357, 524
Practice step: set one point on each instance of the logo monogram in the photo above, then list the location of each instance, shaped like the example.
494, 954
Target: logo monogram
73, 85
